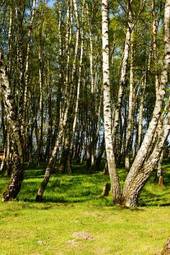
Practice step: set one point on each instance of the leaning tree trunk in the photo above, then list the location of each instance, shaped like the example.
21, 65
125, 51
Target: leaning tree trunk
52, 160
10, 110
138, 181
143, 165
107, 107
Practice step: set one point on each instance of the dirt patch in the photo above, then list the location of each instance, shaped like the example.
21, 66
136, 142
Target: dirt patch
82, 236
166, 249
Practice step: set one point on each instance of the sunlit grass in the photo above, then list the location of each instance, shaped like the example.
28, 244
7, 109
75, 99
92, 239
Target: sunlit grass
72, 205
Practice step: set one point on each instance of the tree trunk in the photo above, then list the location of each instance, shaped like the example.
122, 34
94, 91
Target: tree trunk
131, 193
140, 113
130, 106
107, 106
123, 73
144, 165
52, 160
17, 167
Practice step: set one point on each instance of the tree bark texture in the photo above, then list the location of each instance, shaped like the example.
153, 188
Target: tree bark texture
142, 165
10, 110
107, 106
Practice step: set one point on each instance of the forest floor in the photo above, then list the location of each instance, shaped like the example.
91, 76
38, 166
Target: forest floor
75, 220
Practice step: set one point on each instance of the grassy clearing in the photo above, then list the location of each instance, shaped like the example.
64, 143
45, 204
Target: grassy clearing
75, 220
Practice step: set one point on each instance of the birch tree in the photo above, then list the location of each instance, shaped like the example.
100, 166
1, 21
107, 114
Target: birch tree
107, 106
13, 122
144, 164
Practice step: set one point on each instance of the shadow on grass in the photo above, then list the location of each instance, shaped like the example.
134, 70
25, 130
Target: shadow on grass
81, 188
67, 189
158, 197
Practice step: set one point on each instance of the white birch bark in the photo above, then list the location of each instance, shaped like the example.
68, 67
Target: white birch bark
9, 104
78, 93
24, 117
141, 109
137, 174
154, 45
107, 105
12, 120
130, 105
123, 73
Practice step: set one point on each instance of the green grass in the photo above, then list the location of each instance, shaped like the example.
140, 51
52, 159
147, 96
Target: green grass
75, 220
